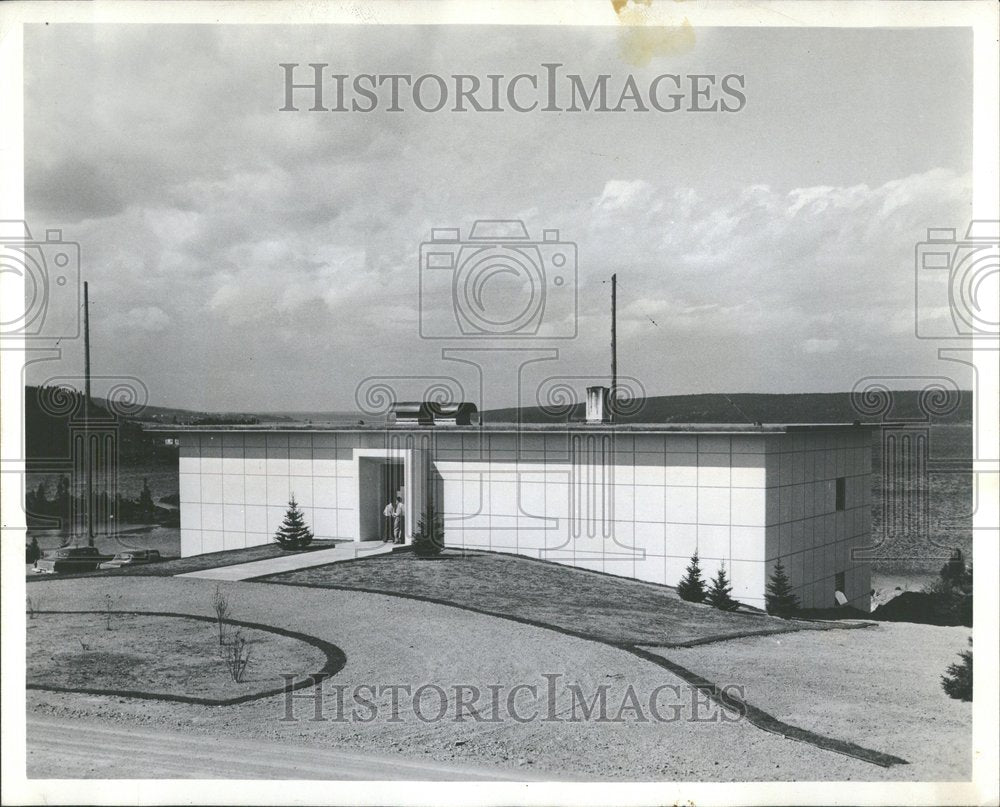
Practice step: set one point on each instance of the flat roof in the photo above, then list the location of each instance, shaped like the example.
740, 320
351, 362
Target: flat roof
662, 428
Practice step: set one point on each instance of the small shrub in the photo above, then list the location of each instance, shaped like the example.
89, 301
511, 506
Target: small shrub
955, 572
929, 607
428, 539
32, 552
293, 532
939, 586
957, 680
949, 602
146, 504
718, 593
236, 655
778, 597
691, 587
220, 604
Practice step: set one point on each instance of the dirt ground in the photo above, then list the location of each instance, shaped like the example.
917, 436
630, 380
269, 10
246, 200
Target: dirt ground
392, 643
879, 687
84, 750
158, 655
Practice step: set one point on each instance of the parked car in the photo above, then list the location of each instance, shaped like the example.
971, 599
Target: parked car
131, 558
70, 559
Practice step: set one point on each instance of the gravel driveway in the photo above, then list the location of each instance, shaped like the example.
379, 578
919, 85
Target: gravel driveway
879, 687
396, 642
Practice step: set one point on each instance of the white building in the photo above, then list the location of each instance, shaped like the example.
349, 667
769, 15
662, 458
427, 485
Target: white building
634, 500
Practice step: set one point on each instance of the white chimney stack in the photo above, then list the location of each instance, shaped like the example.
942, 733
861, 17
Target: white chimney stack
598, 409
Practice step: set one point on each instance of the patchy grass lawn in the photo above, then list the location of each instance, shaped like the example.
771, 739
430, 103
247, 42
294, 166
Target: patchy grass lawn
610, 609
170, 656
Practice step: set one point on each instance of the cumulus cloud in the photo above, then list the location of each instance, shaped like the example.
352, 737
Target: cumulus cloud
626, 195
149, 319
281, 246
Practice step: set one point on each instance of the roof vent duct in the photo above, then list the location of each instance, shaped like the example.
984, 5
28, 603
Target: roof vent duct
454, 414
598, 405
429, 413
412, 413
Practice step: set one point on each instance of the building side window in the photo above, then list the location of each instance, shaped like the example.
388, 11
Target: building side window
841, 492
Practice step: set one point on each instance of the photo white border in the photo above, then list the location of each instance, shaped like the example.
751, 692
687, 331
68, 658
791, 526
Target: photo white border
981, 16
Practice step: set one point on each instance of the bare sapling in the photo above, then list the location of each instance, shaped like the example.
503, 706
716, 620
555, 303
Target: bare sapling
236, 655
108, 610
220, 603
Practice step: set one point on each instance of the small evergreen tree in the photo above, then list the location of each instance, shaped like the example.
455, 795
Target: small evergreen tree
37, 501
146, 504
719, 591
428, 539
957, 681
779, 599
33, 551
692, 587
36, 504
954, 572
293, 532
62, 500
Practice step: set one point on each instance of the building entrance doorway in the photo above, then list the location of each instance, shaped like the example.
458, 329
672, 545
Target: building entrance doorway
381, 482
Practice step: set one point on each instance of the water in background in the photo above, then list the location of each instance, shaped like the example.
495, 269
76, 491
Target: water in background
166, 540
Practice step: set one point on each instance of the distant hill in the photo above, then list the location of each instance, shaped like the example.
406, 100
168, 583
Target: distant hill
53, 419
810, 407
49, 418
333, 416
171, 414
187, 417
54, 415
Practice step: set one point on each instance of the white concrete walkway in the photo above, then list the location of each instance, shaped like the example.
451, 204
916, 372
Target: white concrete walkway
297, 560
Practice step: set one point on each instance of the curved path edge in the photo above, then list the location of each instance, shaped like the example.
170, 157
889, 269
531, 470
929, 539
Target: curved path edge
766, 721
335, 661
756, 716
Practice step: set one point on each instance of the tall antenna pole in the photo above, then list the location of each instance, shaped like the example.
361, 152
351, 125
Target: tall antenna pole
86, 418
614, 344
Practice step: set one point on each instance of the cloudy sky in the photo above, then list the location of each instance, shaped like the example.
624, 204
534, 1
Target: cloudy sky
242, 258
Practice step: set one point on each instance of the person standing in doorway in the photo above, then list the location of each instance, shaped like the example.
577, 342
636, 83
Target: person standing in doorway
397, 521
387, 527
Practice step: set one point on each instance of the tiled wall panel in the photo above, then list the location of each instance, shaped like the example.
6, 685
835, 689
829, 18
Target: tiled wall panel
630, 504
